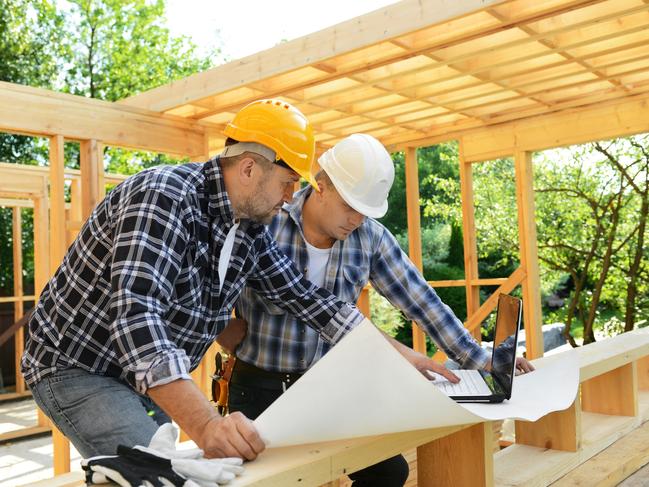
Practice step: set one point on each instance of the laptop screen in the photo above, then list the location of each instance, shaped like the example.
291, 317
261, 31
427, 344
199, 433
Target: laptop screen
504, 351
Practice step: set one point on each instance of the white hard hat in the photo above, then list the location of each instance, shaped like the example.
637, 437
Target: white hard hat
362, 171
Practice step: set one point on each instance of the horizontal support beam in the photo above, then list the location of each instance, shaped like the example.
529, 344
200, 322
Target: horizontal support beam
577, 126
39, 112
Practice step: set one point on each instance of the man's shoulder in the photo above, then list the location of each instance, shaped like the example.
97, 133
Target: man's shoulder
175, 182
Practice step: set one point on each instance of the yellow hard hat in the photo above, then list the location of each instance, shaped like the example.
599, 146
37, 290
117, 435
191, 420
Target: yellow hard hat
279, 126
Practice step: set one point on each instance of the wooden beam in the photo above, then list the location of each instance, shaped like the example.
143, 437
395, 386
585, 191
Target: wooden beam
462, 459
613, 392
414, 232
473, 321
378, 26
41, 241
19, 337
47, 113
92, 181
58, 243
529, 254
576, 126
469, 239
560, 430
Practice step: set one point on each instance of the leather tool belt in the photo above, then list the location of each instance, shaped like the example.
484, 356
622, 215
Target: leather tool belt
248, 375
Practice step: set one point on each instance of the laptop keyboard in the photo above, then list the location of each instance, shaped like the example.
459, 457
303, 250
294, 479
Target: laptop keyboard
471, 384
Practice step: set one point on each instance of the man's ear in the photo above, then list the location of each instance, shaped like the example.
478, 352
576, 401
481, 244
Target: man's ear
246, 171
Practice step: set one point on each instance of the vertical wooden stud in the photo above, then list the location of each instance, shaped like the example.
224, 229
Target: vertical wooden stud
560, 430
462, 459
529, 254
414, 232
614, 392
19, 337
468, 234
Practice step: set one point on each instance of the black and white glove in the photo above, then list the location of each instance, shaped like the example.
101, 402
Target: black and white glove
160, 464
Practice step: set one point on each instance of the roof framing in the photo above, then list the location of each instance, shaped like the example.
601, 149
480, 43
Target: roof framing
433, 68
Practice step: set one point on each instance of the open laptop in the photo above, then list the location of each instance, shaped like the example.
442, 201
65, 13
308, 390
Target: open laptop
494, 386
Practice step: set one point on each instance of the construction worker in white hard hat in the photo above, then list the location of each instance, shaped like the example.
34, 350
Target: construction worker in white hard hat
334, 238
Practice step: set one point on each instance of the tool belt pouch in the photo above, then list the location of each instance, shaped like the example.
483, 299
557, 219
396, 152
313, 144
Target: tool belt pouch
223, 365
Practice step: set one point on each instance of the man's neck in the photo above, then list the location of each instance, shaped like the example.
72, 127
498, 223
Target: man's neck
312, 231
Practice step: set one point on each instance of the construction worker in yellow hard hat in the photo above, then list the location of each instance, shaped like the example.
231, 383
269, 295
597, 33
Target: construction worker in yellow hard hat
151, 281
280, 127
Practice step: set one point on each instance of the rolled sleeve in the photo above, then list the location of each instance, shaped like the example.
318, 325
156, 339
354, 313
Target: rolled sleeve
342, 323
163, 369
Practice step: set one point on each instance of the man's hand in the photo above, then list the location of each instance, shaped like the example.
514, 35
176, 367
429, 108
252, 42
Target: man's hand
523, 366
232, 335
232, 436
421, 362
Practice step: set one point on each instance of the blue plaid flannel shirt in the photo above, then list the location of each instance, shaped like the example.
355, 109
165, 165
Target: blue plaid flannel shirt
281, 342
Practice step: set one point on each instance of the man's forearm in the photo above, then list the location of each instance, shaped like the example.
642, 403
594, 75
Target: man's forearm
185, 404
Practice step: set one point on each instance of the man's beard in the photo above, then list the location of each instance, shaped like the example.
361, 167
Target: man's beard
258, 207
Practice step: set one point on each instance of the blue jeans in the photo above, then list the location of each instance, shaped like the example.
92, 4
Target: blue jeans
97, 413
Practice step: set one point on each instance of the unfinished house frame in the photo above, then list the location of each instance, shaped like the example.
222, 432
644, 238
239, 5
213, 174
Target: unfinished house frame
504, 78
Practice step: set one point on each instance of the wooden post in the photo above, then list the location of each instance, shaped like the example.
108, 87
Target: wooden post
468, 234
614, 392
462, 459
529, 254
560, 430
58, 247
58, 243
363, 303
19, 305
76, 209
414, 232
41, 256
92, 176
642, 372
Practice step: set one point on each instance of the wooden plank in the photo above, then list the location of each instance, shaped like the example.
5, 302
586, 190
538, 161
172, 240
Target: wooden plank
624, 117
613, 392
19, 337
642, 371
58, 243
47, 113
61, 452
23, 433
363, 303
529, 254
603, 356
469, 236
462, 459
560, 430
378, 26
473, 322
414, 232
92, 170
41, 241
12, 396
36, 173
75, 215
612, 465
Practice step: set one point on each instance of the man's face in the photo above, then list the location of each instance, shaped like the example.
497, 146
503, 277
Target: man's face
337, 218
274, 187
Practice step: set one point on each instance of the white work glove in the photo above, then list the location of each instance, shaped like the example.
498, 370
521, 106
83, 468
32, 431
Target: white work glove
190, 463
160, 464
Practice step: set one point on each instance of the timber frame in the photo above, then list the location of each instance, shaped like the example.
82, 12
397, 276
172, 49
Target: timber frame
502, 77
